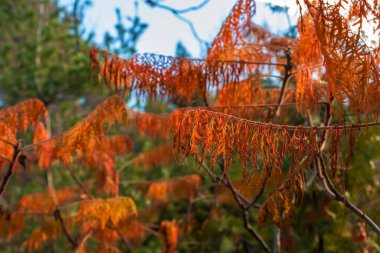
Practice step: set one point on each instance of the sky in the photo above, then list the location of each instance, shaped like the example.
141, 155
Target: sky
165, 30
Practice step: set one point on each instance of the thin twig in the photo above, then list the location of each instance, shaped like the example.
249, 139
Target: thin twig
150, 230
234, 192
109, 245
277, 240
125, 165
253, 232
291, 127
177, 14
80, 185
333, 193
260, 193
30, 146
57, 215
245, 213
198, 60
182, 11
188, 214
121, 236
57, 211
85, 238
12, 165
76, 24
219, 180
311, 177
285, 81
8, 142
329, 188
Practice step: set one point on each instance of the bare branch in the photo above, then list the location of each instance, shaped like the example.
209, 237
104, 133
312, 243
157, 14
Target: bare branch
85, 238
177, 14
285, 81
277, 240
261, 192
244, 211
76, 23
193, 30
8, 142
57, 216
80, 185
121, 236
12, 165
233, 189
333, 193
253, 232
57, 211
292, 127
219, 180
176, 11
329, 188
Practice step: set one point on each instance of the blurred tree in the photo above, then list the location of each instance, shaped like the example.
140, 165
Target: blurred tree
39, 52
181, 50
127, 35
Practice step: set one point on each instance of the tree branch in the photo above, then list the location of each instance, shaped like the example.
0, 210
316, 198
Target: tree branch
261, 192
177, 14
80, 185
121, 236
333, 193
292, 127
176, 11
76, 23
57, 211
253, 232
285, 81
329, 188
57, 216
219, 180
12, 165
8, 142
277, 240
244, 212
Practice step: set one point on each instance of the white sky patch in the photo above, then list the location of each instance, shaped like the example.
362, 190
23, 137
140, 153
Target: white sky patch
165, 30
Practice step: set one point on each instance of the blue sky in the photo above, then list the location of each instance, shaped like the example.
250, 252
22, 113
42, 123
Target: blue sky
165, 30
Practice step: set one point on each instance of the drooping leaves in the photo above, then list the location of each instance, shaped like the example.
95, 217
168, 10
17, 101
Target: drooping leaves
170, 77
161, 155
174, 189
232, 32
250, 92
85, 135
12, 224
49, 231
151, 125
352, 67
102, 159
257, 144
114, 210
24, 114
170, 234
31, 204
14, 119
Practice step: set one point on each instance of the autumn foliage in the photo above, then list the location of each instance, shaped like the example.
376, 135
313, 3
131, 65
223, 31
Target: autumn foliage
261, 145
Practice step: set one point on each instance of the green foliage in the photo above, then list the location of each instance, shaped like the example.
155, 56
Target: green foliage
127, 35
40, 54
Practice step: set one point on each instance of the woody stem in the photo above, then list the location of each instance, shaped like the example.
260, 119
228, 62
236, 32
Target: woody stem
12, 165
